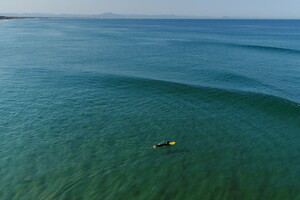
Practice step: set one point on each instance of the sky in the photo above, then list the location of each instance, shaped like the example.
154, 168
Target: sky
207, 8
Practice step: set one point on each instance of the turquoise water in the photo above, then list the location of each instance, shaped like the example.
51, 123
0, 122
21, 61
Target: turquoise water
83, 101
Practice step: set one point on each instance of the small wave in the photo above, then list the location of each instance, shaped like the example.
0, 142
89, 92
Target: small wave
268, 48
261, 101
245, 46
242, 80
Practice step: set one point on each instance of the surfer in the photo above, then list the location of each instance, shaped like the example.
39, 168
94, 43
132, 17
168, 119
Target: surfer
165, 144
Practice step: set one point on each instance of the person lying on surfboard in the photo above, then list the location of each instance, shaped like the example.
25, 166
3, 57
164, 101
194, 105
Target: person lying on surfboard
165, 144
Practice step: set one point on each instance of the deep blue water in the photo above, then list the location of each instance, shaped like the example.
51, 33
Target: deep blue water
82, 101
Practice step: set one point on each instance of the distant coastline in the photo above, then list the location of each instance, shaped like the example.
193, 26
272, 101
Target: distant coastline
5, 18
24, 16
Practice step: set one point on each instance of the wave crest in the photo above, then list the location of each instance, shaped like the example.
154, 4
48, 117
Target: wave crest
261, 101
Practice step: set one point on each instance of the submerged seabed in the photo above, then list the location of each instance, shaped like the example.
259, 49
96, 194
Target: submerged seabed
83, 101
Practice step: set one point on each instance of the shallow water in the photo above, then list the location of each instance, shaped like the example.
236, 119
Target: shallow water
83, 101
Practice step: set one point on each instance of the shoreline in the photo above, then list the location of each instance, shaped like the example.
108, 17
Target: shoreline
4, 18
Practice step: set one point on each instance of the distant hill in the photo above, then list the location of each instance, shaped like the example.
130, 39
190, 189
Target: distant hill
10, 17
5, 17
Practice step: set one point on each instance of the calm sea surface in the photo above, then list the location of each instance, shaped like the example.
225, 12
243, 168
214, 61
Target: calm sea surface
83, 101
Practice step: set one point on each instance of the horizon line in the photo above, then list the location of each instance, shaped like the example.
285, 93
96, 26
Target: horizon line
110, 15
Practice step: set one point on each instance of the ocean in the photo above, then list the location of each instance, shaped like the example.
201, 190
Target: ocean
82, 102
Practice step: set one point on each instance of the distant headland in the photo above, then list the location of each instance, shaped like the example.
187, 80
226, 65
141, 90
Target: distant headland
3, 18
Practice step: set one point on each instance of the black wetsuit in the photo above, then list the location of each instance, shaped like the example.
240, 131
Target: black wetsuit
163, 144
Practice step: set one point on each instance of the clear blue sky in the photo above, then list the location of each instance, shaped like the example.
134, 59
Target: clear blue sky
213, 8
